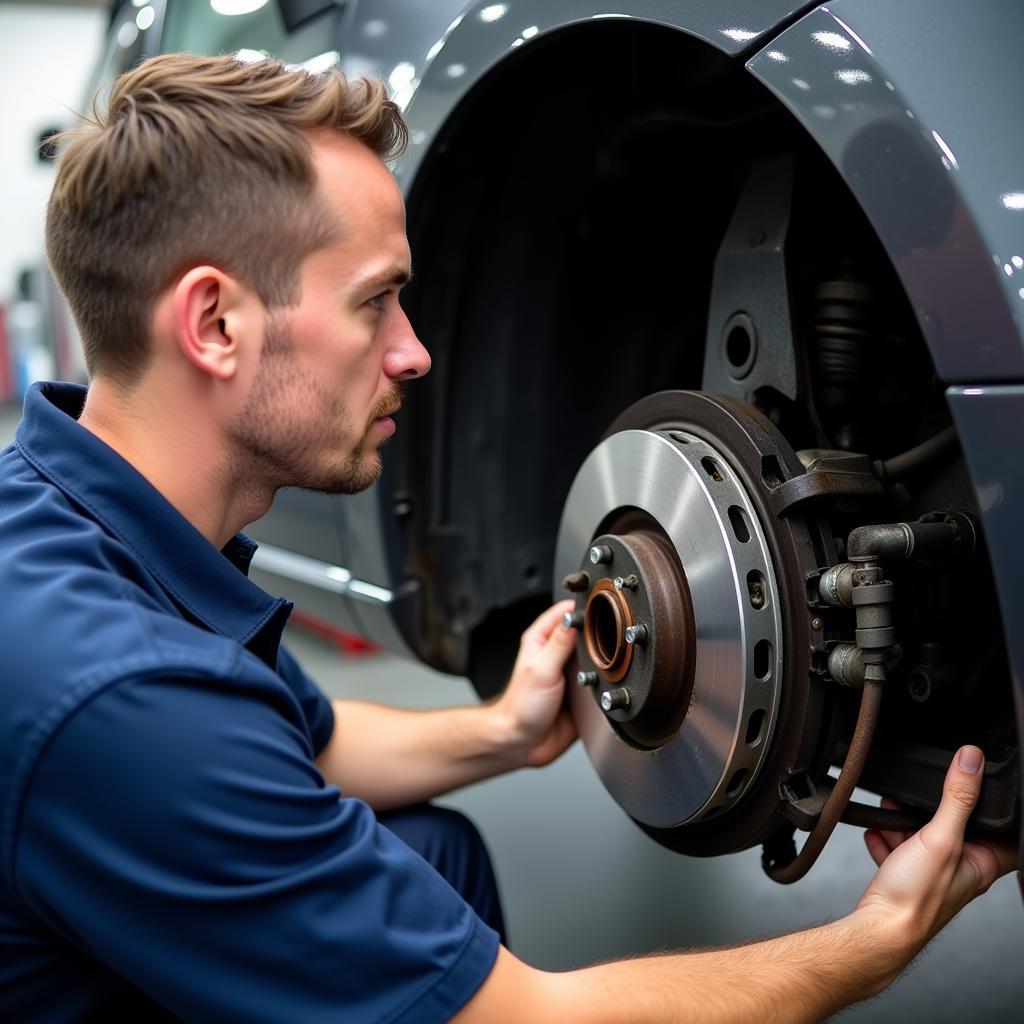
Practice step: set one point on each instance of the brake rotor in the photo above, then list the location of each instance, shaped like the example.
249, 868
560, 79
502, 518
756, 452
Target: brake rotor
695, 698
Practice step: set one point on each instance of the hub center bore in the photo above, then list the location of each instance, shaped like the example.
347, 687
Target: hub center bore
604, 630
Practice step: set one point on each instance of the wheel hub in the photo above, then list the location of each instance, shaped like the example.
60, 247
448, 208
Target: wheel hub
638, 629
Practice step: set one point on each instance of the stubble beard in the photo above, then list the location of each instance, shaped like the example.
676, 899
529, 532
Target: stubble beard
279, 441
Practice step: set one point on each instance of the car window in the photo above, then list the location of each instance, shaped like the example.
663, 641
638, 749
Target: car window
251, 29
134, 31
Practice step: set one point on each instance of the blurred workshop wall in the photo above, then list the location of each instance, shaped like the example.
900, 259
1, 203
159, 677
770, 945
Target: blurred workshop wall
47, 52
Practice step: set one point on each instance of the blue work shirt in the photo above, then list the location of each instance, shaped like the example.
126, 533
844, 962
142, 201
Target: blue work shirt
167, 843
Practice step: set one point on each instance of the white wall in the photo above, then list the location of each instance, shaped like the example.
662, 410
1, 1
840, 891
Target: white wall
46, 55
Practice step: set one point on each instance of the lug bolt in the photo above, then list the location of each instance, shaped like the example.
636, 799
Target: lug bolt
570, 619
586, 678
600, 554
576, 582
816, 623
636, 634
630, 582
615, 700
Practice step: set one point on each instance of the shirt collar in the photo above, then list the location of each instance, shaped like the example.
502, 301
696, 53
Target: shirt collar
209, 585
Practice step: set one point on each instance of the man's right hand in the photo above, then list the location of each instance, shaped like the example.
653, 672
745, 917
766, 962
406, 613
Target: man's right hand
927, 877
801, 978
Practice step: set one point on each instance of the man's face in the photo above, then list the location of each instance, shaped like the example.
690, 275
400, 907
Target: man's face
331, 369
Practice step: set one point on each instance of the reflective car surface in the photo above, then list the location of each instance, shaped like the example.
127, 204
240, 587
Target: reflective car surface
726, 310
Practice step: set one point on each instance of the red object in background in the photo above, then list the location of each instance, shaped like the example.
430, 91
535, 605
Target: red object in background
6, 367
347, 642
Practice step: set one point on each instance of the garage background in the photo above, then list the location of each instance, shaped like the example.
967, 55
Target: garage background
580, 882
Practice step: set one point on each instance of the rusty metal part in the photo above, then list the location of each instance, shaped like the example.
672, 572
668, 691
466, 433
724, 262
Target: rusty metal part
828, 474
618, 699
659, 671
605, 621
576, 583
847, 667
572, 620
839, 798
836, 586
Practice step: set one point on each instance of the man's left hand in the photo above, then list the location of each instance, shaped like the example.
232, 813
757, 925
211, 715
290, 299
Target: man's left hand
540, 726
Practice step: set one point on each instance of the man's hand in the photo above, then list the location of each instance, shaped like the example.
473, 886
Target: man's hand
801, 978
532, 706
928, 877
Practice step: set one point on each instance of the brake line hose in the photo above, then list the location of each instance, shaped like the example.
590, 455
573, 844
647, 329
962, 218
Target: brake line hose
835, 805
871, 597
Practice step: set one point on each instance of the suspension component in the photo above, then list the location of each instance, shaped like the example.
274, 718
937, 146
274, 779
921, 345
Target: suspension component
842, 355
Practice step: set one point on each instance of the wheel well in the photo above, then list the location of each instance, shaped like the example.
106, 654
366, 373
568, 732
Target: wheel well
564, 227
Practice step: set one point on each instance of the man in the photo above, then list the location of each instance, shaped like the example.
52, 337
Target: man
172, 838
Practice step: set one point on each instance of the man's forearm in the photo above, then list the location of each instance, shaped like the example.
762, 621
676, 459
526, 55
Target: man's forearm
802, 977
805, 976
393, 758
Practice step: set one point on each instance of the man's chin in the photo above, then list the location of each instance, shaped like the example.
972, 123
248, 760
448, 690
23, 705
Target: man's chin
349, 479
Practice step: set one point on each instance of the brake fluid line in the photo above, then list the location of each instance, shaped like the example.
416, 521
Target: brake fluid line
859, 584
871, 597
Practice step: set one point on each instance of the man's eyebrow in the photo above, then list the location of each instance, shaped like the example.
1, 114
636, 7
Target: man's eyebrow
393, 277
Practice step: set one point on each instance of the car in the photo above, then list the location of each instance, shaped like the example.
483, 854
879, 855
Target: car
726, 310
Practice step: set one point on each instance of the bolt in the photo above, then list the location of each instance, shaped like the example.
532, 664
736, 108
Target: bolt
756, 594
630, 582
636, 634
570, 619
600, 553
615, 700
586, 678
576, 582
919, 686
816, 623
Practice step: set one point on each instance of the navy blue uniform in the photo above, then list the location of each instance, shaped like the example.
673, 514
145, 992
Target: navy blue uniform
167, 843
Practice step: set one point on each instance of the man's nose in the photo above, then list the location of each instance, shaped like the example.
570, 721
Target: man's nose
406, 358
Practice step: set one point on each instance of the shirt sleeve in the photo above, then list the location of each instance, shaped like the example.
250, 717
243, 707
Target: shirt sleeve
178, 832
315, 706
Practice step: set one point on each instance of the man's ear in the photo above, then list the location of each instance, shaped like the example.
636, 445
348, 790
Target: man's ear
211, 313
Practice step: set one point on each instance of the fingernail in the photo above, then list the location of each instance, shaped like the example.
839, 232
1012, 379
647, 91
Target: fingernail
969, 759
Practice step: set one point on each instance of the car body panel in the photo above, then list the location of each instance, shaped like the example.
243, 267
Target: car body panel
989, 419
431, 58
926, 151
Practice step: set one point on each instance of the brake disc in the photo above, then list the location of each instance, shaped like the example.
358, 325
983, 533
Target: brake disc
695, 697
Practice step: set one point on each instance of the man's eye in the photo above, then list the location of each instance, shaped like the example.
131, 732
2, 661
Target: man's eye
378, 301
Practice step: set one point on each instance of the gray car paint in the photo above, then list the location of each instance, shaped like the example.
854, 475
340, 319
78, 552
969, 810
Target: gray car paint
989, 420
929, 153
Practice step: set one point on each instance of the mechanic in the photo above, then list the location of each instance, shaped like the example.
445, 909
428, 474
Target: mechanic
189, 828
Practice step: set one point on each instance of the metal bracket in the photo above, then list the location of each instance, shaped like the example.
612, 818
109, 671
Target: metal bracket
750, 333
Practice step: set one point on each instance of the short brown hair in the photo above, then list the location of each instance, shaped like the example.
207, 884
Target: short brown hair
197, 160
